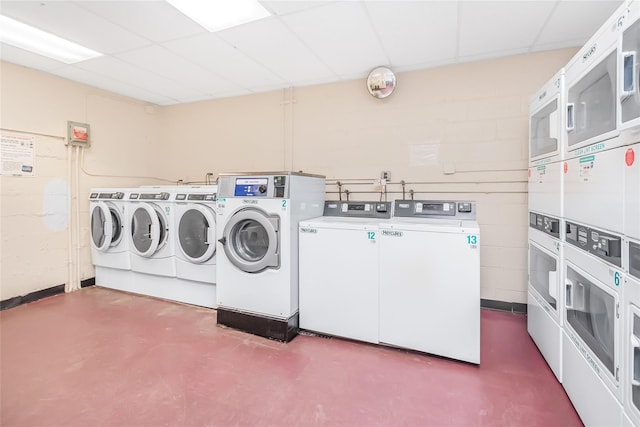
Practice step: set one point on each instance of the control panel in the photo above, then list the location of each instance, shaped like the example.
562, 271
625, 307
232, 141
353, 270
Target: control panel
444, 209
381, 210
547, 224
266, 186
107, 196
181, 197
599, 243
154, 196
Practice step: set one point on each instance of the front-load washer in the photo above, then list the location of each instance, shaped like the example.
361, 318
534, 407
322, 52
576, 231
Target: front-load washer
631, 339
339, 259
545, 302
430, 279
257, 255
109, 242
152, 238
195, 228
592, 366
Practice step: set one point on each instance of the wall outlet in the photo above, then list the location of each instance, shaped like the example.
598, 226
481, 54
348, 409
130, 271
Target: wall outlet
386, 175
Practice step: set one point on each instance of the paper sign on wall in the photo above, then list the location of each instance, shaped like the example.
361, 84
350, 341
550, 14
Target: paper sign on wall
17, 154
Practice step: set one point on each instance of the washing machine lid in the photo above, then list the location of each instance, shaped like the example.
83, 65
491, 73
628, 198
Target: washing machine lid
148, 229
197, 233
251, 240
106, 226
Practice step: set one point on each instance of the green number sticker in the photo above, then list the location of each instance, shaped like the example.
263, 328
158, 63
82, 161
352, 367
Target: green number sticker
472, 239
284, 204
616, 278
371, 235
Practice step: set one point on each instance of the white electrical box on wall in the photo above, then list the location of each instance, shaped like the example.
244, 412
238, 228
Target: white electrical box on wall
78, 134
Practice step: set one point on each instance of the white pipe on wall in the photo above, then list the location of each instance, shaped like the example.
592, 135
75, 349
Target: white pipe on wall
70, 280
77, 194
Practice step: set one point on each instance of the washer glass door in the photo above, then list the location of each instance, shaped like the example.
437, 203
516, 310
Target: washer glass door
250, 240
148, 230
196, 233
106, 226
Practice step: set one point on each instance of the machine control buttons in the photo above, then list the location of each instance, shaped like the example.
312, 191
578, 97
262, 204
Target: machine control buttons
464, 207
381, 207
181, 196
605, 246
133, 196
262, 188
279, 181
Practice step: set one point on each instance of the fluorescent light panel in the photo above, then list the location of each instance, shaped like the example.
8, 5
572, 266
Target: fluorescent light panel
37, 41
216, 15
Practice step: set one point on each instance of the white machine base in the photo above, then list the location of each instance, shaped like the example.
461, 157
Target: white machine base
155, 266
118, 260
591, 397
546, 333
205, 273
169, 288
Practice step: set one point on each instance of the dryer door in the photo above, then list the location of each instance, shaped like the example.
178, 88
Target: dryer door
197, 233
148, 230
250, 240
630, 76
106, 226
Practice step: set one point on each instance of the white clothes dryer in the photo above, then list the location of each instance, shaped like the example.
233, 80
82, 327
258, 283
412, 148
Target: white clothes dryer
629, 71
257, 263
631, 168
545, 303
631, 339
546, 123
152, 241
339, 280
430, 279
592, 366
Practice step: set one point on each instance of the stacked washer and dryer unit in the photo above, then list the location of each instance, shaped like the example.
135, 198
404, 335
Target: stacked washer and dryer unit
597, 259
257, 272
167, 239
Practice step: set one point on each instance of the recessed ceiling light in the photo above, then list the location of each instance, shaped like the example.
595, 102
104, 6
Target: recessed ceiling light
37, 41
216, 15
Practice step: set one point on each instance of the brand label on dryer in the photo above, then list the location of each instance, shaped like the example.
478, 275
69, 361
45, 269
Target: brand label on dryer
249, 202
308, 230
391, 233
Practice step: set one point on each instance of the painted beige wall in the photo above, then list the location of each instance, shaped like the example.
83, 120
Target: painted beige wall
125, 150
471, 118
468, 118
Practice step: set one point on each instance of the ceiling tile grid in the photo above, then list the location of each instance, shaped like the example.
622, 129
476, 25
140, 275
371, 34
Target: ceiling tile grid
154, 53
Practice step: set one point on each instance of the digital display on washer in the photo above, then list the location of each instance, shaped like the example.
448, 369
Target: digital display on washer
251, 187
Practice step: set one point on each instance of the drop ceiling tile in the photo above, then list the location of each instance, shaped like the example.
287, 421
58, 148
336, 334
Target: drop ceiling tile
341, 35
154, 20
219, 57
163, 62
286, 7
126, 73
415, 32
495, 26
23, 57
73, 23
77, 74
271, 44
576, 20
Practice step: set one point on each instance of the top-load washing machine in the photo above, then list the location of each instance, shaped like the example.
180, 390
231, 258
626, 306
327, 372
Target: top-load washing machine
152, 238
339, 280
257, 256
109, 229
430, 279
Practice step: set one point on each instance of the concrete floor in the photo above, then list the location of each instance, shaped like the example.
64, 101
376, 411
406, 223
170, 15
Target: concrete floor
103, 357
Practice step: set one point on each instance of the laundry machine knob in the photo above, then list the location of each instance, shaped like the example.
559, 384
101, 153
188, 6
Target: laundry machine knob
262, 189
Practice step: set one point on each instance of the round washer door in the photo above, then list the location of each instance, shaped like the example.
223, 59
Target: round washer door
197, 233
250, 240
106, 226
148, 230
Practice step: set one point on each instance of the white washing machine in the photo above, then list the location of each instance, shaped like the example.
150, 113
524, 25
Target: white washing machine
109, 240
152, 238
195, 225
591, 81
430, 279
545, 303
257, 261
631, 340
339, 280
591, 354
